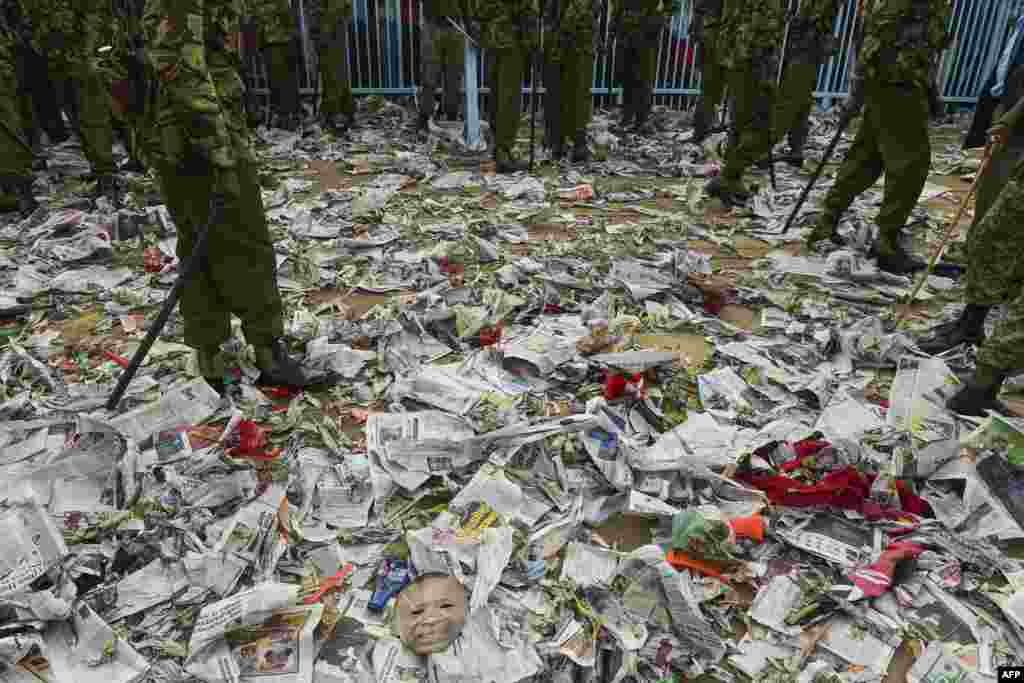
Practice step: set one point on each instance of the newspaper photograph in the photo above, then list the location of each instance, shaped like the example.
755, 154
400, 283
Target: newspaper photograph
248, 608
32, 545
281, 649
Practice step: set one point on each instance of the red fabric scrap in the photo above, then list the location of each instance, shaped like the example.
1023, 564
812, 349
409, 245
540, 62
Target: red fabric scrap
120, 360
489, 336
876, 578
616, 385
911, 502
252, 440
847, 489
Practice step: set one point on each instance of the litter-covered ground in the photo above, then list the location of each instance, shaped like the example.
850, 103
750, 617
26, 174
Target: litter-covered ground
650, 439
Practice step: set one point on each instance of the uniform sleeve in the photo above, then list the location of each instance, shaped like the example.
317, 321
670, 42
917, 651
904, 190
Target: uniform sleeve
176, 33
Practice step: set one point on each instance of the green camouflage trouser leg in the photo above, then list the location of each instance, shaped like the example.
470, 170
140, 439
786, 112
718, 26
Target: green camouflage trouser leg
509, 66
712, 82
568, 103
995, 275
335, 74
753, 102
443, 53
240, 274
282, 78
15, 156
794, 102
640, 68
893, 139
92, 102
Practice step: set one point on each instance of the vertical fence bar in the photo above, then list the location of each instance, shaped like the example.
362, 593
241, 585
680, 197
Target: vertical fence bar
472, 97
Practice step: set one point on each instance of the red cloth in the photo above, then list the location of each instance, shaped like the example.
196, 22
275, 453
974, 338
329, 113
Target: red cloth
847, 489
876, 578
615, 384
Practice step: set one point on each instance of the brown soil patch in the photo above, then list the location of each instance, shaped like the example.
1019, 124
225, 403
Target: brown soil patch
740, 316
328, 176
351, 304
751, 248
704, 247
627, 532
551, 232
694, 348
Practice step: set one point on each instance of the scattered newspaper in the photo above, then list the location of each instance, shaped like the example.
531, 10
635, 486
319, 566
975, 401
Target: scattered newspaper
32, 546
186, 404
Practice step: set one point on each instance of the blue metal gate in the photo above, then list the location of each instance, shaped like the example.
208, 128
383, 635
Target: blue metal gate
384, 54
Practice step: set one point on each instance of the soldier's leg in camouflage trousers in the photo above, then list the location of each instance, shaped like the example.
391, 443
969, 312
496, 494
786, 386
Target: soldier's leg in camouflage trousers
793, 104
646, 70
338, 106
995, 276
578, 101
453, 59
430, 68
281, 81
861, 169
509, 66
241, 275
554, 100
713, 78
901, 118
94, 118
752, 111
629, 57
15, 154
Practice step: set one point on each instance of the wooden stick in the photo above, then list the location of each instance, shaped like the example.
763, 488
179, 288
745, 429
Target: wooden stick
948, 236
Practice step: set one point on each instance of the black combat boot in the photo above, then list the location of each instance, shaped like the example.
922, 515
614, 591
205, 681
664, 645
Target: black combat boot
893, 258
981, 393
968, 329
278, 368
18, 195
107, 186
211, 367
506, 162
580, 149
731, 193
827, 228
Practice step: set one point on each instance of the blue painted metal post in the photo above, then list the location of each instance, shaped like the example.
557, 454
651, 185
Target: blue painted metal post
472, 108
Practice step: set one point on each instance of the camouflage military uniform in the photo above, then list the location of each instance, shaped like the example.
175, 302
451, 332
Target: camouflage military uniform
442, 55
192, 46
810, 43
902, 39
569, 72
705, 30
749, 41
508, 32
330, 21
995, 273
66, 33
123, 70
639, 25
15, 154
277, 32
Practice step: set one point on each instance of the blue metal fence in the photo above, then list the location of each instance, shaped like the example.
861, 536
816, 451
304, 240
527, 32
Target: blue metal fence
384, 53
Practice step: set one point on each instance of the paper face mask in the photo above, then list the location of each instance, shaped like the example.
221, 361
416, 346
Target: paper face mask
431, 613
